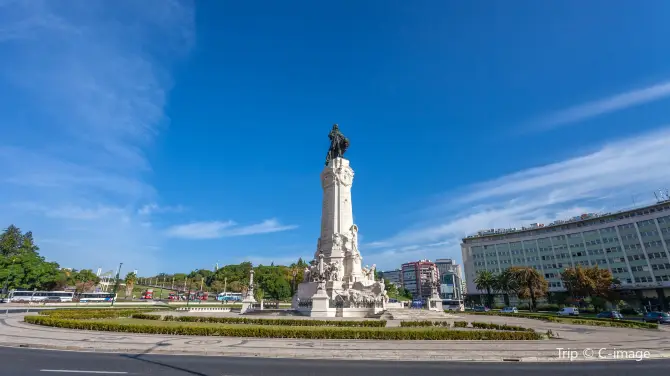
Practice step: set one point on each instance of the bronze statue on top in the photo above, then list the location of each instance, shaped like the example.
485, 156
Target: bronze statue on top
338, 144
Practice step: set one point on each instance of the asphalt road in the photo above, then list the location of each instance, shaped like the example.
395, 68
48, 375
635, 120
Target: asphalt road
29, 362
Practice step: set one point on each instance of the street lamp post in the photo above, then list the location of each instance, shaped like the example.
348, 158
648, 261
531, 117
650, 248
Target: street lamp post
188, 295
295, 272
116, 284
160, 298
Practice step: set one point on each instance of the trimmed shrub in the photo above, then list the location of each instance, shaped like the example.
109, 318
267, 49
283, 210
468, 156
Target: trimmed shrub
629, 311
410, 324
573, 320
93, 313
490, 325
259, 321
549, 308
287, 332
460, 324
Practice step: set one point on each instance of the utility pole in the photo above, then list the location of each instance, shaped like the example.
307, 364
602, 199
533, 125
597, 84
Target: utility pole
172, 286
116, 284
202, 281
225, 285
188, 295
160, 297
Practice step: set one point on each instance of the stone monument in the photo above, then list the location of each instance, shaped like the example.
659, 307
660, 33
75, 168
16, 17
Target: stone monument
335, 283
249, 300
435, 301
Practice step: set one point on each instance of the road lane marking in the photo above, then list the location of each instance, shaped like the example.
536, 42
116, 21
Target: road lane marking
80, 371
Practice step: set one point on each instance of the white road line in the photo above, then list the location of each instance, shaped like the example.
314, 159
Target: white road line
79, 371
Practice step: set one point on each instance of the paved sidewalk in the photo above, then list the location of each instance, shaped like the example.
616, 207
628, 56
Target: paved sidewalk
14, 332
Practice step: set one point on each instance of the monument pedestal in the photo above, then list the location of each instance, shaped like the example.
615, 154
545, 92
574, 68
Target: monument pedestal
247, 304
435, 304
336, 284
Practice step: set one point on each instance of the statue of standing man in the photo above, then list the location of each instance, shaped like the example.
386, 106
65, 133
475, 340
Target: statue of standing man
338, 144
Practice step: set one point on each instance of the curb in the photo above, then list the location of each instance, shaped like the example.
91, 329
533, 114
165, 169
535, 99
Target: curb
247, 354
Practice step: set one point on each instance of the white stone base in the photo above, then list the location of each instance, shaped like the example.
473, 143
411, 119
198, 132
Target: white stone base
435, 304
248, 305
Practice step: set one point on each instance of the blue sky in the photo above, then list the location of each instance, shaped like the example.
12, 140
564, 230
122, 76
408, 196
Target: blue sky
171, 135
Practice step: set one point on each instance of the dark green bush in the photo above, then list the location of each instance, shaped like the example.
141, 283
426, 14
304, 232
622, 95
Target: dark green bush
490, 325
549, 308
460, 324
82, 313
276, 322
287, 332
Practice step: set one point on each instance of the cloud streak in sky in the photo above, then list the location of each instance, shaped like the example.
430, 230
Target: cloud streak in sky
219, 229
603, 106
604, 180
84, 90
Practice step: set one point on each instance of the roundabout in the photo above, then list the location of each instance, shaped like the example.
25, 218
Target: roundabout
565, 346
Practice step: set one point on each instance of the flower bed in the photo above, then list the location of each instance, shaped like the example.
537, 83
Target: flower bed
464, 324
267, 331
79, 313
259, 321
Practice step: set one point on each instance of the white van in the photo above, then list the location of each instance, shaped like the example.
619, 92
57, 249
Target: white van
569, 311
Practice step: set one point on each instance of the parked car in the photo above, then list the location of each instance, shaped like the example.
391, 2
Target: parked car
658, 317
481, 309
569, 311
509, 310
614, 315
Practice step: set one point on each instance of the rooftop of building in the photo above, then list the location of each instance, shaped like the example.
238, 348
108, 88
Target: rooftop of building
586, 217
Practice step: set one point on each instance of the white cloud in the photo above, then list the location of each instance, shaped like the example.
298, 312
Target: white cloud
604, 106
610, 178
218, 229
84, 89
153, 208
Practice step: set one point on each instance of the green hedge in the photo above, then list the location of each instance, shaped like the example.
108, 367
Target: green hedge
410, 324
93, 313
464, 324
287, 332
490, 325
259, 321
573, 320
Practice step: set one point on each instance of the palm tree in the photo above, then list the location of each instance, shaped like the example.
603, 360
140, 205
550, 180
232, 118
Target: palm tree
531, 284
130, 280
486, 281
506, 283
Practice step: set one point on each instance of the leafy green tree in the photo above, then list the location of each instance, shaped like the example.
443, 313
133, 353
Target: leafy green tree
259, 294
506, 283
277, 287
487, 281
130, 280
531, 284
21, 266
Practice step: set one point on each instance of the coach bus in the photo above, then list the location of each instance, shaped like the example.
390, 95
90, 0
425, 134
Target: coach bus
453, 305
37, 296
92, 297
229, 297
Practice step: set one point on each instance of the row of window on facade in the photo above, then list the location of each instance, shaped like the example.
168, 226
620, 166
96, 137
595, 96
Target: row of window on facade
600, 221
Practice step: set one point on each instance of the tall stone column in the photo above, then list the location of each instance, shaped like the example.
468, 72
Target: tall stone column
336, 213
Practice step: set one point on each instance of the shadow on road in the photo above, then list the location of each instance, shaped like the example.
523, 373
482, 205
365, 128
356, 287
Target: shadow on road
161, 344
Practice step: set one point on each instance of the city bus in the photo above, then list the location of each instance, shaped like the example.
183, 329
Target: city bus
453, 305
87, 297
229, 297
37, 296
